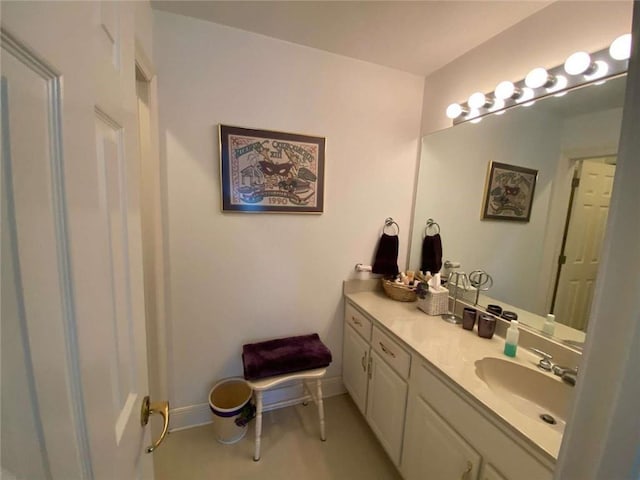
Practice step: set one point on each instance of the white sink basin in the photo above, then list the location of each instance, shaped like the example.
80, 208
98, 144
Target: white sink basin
530, 391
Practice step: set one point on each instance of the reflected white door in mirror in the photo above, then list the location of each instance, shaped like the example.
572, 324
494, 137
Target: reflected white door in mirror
582, 242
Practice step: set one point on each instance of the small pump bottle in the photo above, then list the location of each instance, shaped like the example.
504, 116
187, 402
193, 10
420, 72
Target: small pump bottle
511, 340
549, 324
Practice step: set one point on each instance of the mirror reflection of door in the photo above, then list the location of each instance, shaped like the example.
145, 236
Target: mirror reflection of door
582, 242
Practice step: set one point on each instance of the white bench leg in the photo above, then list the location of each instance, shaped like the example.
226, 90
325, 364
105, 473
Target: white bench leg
256, 454
323, 437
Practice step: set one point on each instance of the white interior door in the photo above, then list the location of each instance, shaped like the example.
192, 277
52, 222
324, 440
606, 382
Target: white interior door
584, 243
72, 286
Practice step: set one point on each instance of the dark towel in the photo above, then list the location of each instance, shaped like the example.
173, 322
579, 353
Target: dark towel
284, 355
431, 254
386, 262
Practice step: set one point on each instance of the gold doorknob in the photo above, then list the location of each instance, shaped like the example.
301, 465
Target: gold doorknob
149, 409
466, 473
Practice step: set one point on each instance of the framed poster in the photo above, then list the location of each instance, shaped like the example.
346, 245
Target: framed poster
508, 192
266, 171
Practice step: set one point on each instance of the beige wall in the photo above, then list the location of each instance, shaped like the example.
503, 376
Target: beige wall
545, 39
237, 278
234, 278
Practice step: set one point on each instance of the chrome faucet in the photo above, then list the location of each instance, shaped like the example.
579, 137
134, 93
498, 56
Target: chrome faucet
567, 374
545, 362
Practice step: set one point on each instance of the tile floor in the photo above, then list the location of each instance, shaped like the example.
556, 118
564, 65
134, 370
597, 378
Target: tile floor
291, 449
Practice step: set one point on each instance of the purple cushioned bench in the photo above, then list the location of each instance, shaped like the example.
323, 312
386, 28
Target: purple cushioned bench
268, 364
284, 355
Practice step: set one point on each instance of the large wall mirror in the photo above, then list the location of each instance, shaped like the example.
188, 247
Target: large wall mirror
547, 264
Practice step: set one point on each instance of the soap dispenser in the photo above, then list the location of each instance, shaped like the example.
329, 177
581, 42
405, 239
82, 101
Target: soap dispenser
511, 340
549, 324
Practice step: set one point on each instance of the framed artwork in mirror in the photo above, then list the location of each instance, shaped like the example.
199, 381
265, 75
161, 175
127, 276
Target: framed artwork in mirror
508, 193
265, 171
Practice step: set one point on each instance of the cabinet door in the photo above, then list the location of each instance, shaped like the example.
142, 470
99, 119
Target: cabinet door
432, 449
355, 359
386, 406
490, 473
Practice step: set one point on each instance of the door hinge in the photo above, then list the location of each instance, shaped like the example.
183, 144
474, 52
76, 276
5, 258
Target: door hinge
575, 183
562, 259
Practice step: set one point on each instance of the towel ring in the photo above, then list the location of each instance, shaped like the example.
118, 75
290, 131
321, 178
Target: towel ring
481, 280
389, 222
431, 223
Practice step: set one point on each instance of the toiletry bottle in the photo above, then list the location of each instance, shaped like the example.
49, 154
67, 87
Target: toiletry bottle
549, 324
511, 341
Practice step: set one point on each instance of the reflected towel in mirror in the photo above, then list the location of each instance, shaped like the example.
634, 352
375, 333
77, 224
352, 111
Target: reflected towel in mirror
431, 254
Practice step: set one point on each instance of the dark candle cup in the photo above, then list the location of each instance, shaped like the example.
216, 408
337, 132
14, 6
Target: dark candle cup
468, 318
495, 309
507, 315
486, 326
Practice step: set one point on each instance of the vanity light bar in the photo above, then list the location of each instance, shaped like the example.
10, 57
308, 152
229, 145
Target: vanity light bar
579, 69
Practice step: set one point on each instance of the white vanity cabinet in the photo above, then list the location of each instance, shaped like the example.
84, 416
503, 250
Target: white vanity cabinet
432, 449
447, 437
490, 473
429, 422
355, 366
375, 370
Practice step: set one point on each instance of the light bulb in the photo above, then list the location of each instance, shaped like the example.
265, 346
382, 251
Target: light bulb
497, 105
561, 83
479, 100
472, 114
600, 71
527, 94
454, 110
620, 48
578, 63
539, 77
505, 90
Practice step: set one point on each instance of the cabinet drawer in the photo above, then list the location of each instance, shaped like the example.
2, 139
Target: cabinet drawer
391, 351
358, 321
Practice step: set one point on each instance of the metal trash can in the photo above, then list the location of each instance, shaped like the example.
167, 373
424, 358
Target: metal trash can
230, 402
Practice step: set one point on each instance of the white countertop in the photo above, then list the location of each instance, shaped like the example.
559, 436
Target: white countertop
453, 351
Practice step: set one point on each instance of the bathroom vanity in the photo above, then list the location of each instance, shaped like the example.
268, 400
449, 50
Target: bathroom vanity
445, 403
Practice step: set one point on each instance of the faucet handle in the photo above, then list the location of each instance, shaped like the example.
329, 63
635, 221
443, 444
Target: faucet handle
545, 361
560, 370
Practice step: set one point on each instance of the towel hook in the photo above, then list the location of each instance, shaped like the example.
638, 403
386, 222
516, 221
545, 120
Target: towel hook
391, 222
431, 223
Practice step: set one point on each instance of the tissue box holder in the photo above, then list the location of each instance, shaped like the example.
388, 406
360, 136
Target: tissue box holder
435, 303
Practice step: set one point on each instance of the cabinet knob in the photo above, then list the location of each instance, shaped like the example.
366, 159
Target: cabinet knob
356, 321
364, 361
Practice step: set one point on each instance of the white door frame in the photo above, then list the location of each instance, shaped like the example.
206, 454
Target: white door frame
153, 202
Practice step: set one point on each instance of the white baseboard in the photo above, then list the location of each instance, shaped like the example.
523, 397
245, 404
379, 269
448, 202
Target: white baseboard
191, 416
